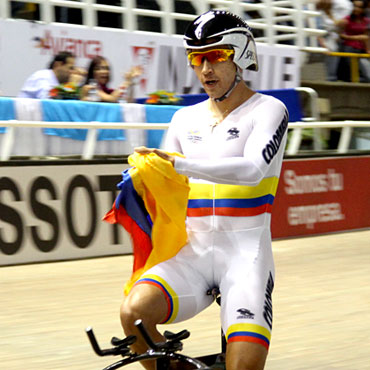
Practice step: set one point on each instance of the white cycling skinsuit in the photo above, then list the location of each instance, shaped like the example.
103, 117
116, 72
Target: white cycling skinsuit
233, 168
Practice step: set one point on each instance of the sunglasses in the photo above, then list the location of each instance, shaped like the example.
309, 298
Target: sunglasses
213, 56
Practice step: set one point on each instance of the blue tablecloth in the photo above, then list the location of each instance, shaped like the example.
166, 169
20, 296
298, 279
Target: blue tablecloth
158, 114
79, 111
7, 111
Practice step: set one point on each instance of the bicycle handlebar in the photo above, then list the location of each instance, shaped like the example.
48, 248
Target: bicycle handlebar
95, 345
139, 324
173, 342
166, 350
121, 346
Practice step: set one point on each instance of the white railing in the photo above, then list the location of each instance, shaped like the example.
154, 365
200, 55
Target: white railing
345, 137
292, 21
90, 142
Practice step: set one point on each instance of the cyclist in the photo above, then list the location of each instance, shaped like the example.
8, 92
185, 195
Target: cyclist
233, 145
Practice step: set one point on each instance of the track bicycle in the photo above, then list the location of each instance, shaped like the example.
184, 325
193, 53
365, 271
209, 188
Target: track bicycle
165, 353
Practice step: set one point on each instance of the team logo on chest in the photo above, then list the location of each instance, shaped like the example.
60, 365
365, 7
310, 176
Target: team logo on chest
194, 136
233, 133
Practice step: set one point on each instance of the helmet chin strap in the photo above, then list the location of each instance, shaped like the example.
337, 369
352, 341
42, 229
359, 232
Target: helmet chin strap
231, 88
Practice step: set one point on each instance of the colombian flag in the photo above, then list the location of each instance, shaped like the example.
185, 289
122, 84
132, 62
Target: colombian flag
151, 206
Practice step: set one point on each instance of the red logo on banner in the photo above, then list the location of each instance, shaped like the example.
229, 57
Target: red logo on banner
41, 43
143, 57
80, 48
322, 195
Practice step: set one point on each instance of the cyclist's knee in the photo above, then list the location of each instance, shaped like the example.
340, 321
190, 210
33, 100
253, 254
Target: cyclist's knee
139, 305
131, 310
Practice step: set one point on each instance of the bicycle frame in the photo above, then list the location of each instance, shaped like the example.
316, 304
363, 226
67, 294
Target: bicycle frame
163, 360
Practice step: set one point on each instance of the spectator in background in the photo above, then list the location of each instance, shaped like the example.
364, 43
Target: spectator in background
341, 8
60, 71
354, 34
330, 41
96, 84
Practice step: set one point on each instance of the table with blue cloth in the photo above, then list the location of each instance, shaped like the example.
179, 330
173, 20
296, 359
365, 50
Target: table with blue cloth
54, 142
30, 141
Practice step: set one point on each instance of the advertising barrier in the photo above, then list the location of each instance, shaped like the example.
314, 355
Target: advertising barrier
322, 195
52, 211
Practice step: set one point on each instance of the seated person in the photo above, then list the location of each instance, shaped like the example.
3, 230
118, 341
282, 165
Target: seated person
330, 40
96, 84
39, 84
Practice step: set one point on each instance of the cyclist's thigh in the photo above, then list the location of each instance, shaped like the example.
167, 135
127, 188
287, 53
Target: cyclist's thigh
246, 305
184, 282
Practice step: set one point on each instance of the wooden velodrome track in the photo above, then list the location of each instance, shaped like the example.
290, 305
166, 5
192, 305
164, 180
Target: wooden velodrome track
321, 307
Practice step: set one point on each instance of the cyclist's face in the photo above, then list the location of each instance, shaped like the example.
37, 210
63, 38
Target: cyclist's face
215, 77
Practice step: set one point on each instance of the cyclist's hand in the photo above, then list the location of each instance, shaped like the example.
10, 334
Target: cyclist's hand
160, 153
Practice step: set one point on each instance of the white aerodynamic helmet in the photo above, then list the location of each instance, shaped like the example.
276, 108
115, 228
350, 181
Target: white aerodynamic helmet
219, 27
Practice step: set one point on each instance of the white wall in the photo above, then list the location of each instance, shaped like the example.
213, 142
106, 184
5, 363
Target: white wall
26, 47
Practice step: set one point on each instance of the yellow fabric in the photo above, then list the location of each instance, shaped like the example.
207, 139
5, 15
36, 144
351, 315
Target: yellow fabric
165, 195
